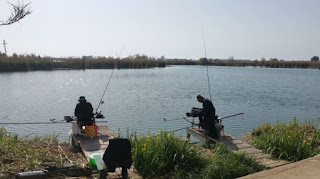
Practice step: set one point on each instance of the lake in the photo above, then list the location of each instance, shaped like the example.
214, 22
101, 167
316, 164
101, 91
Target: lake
139, 99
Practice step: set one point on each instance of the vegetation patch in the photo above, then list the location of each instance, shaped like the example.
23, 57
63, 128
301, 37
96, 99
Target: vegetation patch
294, 141
166, 156
34, 153
227, 164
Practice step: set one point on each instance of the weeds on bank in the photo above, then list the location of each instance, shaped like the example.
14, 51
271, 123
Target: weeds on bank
164, 155
294, 141
227, 164
26, 154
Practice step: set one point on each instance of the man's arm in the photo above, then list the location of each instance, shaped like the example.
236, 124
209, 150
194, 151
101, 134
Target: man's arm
76, 110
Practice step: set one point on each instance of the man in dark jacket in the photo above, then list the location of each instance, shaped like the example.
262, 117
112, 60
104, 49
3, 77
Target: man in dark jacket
84, 112
207, 117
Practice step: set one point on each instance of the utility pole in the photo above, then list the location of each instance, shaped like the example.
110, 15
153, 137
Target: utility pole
5, 48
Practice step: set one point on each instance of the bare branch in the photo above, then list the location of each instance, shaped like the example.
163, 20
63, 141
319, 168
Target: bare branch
18, 12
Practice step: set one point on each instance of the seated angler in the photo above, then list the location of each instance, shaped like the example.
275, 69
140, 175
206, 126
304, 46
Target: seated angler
207, 117
84, 112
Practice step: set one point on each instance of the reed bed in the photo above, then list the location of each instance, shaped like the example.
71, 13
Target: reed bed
163, 155
294, 141
268, 64
31, 63
8, 64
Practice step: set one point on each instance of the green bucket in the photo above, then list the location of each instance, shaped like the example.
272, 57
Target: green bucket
92, 161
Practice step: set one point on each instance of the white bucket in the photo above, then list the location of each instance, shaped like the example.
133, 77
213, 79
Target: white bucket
75, 128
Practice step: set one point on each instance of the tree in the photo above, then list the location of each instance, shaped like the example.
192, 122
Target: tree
203, 61
18, 12
231, 58
315, 58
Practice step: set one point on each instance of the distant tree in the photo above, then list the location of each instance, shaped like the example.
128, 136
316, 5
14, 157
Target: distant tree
315, 58
18, 12
263, 59
203, 61
14, 55
273, 60
231, 58
2, 54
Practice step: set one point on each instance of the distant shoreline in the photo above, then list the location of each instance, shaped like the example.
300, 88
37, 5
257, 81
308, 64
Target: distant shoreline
15, 64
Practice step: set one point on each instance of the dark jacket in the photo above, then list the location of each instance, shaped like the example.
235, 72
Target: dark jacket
208, 109
83, 111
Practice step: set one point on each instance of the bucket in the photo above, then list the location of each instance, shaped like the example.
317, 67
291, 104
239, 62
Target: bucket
91, 157
91, 131
75, 128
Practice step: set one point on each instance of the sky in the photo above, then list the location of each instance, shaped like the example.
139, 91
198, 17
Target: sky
243, 29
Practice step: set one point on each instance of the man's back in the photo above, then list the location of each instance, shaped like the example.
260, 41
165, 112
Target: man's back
208, 107
84, 110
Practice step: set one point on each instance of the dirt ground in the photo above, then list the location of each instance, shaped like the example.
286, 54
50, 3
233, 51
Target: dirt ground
68, 155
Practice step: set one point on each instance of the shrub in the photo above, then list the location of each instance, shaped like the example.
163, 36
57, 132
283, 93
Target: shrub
293, 141
163, 154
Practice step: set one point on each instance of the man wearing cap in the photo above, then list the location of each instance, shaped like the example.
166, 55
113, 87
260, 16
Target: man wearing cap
84, 112
208, 116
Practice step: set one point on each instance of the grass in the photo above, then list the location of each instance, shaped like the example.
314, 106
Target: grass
163, 155
31, 63
227, 164
294, 141
31, 153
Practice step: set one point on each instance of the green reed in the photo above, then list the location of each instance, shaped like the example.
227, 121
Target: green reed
165, 156
227, 164
294, 141
31, 63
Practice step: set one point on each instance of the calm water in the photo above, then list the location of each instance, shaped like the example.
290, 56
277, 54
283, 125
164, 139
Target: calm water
141, 99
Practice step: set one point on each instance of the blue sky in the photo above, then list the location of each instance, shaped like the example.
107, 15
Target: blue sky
244, 29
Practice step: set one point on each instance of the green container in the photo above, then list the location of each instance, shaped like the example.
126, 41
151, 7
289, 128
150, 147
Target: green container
92, 161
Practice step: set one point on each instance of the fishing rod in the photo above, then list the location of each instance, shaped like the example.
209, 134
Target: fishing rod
101, 102
58, 122
181, 129
184, 118
205, 55
166, 120
231, 116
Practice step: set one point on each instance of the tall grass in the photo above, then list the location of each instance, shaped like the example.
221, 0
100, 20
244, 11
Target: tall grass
227, 164
294, 141
165, 156
267, 64
31, 63
28, 154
